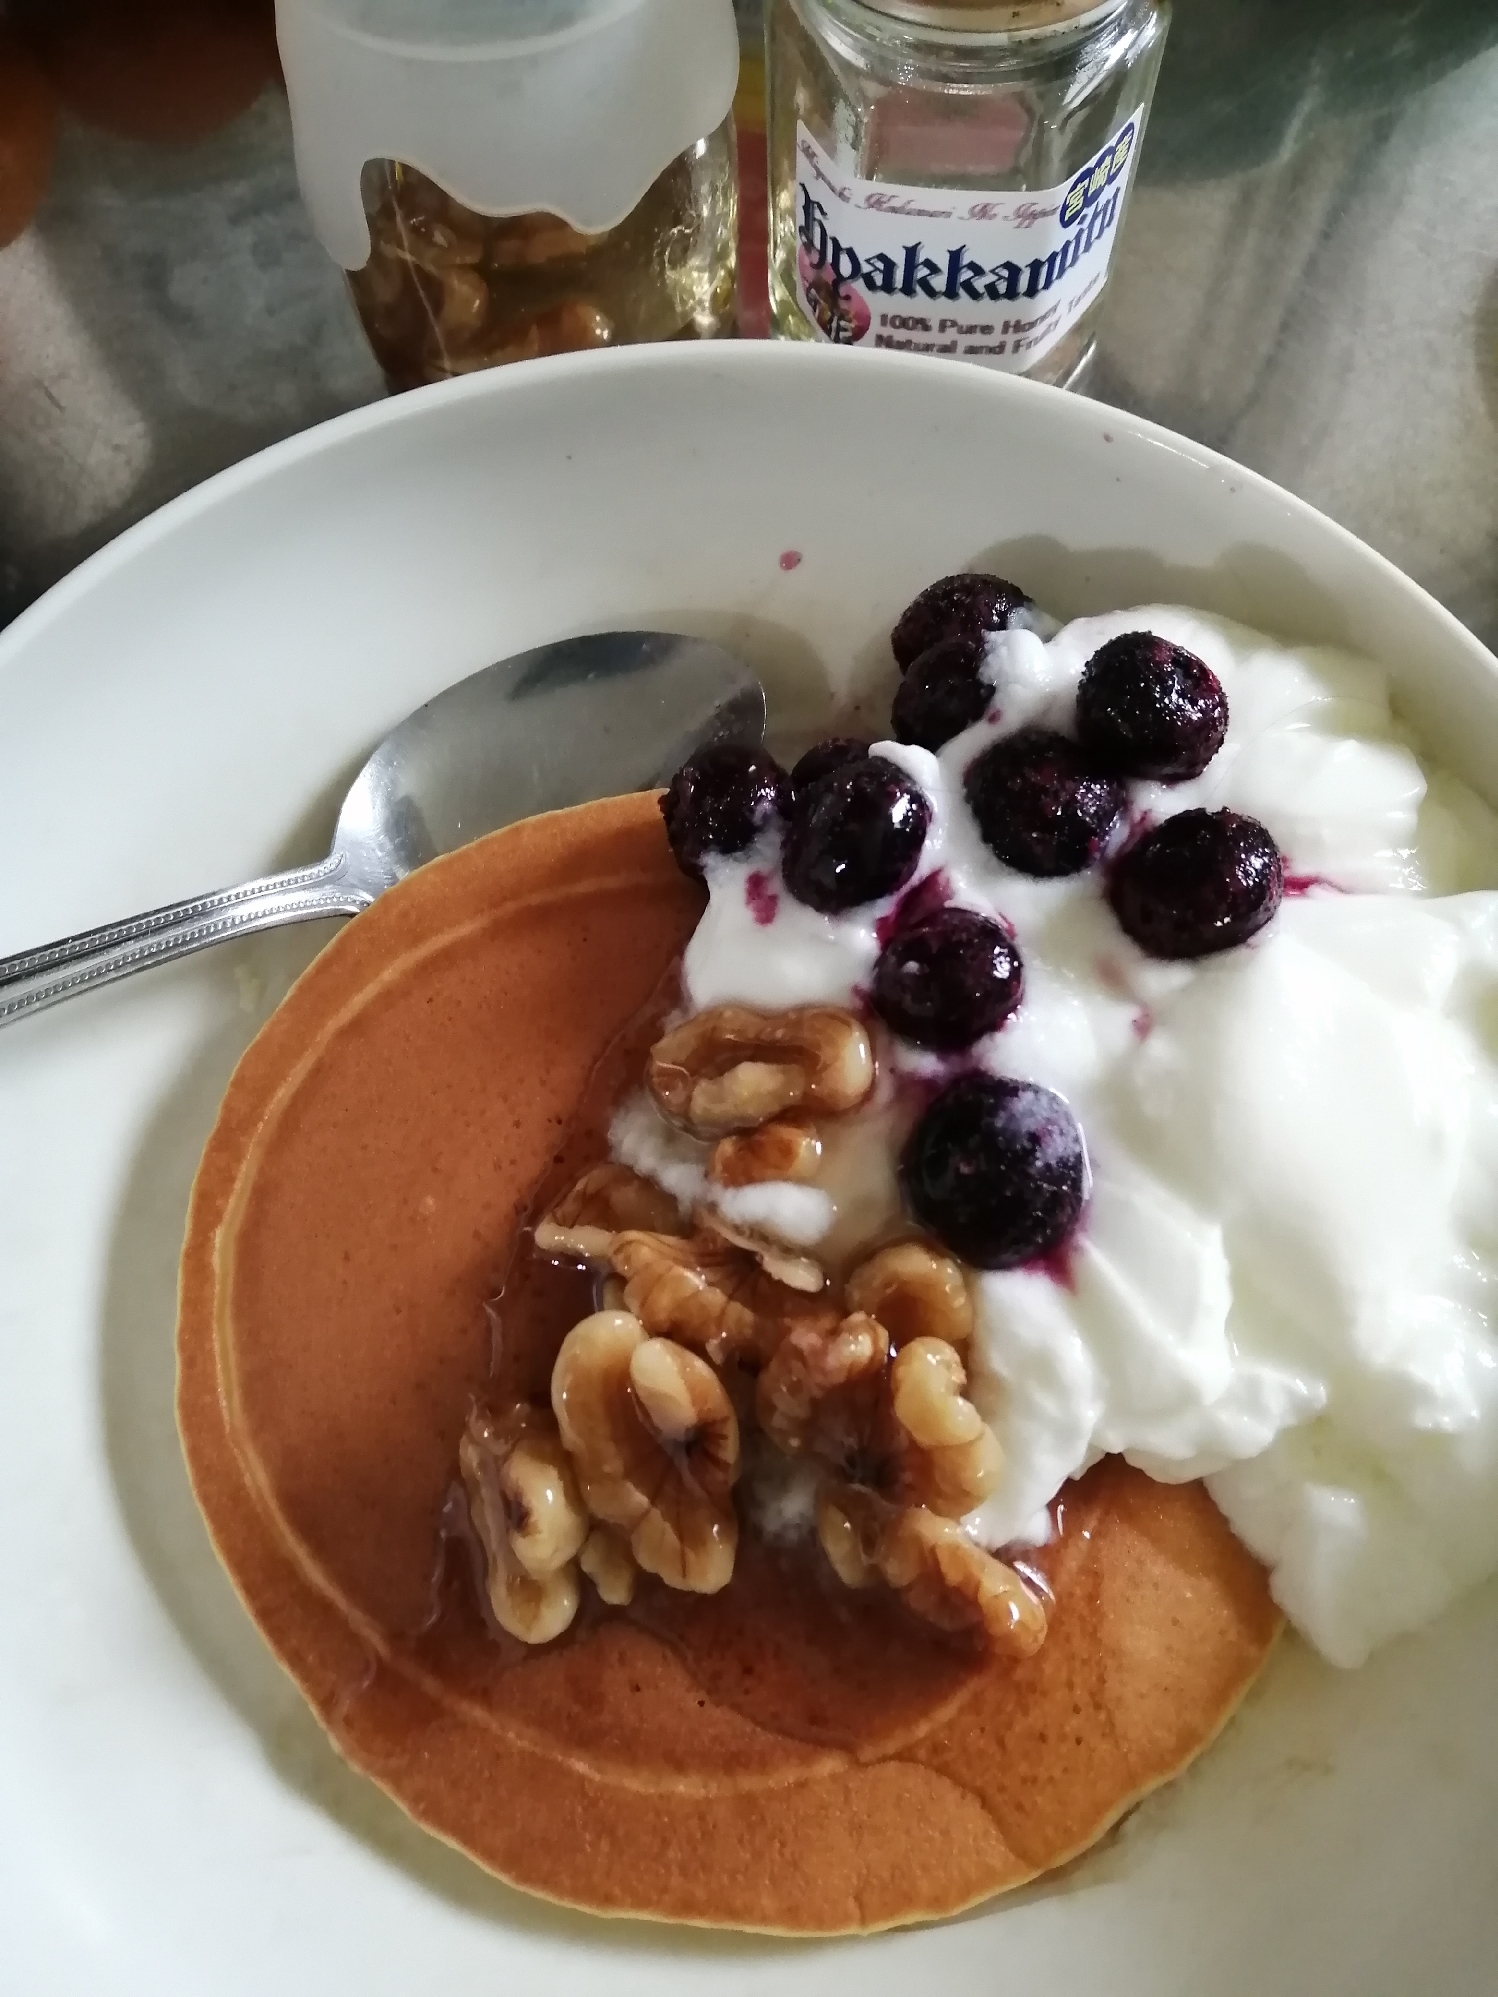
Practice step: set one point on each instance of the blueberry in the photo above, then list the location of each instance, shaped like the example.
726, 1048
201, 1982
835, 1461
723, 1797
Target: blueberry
1200, 882
963, 606
720, 801
1147, 708
824, 757
855, 835
947, 980
941, 694
1040, 806
997, 1170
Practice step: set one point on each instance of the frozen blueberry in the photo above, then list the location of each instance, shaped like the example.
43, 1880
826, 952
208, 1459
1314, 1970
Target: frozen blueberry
824, 757
855, 835
963, 606
720, 801
1200, 882
941, 694
947, 980
997, 1170
1147, 708
1040, 806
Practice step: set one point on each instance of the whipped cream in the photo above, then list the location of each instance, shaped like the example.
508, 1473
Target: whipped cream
1285, 1278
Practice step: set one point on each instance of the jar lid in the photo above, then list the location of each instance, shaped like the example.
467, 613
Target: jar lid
993, 16
572, 107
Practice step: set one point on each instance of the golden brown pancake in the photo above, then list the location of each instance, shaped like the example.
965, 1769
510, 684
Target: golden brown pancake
787, 1755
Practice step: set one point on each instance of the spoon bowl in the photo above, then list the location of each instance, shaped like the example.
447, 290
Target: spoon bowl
587, 717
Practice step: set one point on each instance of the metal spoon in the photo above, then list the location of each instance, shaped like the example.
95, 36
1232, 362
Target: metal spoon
583, 718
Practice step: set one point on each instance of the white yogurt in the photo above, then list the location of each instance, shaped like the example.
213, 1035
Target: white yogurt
1285, 1280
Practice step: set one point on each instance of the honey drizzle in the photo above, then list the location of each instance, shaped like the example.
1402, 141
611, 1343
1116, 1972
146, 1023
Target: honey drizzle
786, 1644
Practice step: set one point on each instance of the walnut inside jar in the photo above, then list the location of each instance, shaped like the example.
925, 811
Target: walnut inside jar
534, 284
447, 290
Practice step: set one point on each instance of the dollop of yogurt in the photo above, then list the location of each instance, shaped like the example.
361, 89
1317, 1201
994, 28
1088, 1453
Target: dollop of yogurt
1285, 1278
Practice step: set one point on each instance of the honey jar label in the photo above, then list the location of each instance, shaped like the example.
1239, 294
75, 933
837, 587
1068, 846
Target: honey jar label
997, 277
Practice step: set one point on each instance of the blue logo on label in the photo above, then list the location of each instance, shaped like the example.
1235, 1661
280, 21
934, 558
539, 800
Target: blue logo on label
1092, 180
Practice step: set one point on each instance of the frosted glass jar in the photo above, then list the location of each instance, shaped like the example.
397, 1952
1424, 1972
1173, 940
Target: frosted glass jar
503, 179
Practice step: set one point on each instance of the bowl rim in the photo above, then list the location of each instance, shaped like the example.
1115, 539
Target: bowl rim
749, 359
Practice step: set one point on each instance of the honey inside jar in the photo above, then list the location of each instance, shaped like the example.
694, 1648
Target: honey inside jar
447, 290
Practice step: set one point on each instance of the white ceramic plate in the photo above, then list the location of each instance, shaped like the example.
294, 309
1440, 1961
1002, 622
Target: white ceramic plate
182, 713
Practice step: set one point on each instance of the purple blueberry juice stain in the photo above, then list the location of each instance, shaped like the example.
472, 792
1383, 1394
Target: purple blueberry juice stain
924, 898
1143, 1023
1110, 976
1059, 1264
791, 559
762, 900
1303, 884
1136, 824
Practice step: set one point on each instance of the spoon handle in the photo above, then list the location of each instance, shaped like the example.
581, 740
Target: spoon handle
36, 979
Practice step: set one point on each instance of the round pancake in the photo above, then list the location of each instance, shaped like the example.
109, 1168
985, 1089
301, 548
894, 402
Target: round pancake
776, 1757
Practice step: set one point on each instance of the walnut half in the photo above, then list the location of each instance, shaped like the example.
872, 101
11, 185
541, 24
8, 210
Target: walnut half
734, 1068
709, 1295
605, 1201
655, 1444
915, 1292
788, 1150
821, 1392
780, 1263
931, 1563
952, 1460
609, 1565
529, 1517
901, 1426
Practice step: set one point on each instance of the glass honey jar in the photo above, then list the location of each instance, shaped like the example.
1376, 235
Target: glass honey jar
951, 178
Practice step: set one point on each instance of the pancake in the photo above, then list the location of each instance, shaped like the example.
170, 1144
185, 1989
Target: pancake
785, 1756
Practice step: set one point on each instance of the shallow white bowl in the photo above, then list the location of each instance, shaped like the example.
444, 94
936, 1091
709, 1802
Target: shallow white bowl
183, 712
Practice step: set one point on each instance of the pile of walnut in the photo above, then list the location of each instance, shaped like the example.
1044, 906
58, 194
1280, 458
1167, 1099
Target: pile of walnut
711, 1328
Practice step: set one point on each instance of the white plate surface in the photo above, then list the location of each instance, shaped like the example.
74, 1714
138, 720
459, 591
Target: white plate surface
183, 713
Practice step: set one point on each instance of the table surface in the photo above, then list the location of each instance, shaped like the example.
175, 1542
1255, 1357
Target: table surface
1308, 281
